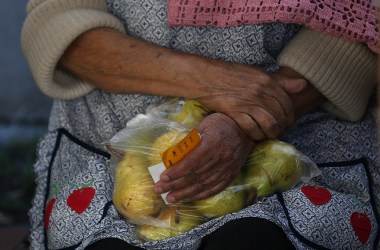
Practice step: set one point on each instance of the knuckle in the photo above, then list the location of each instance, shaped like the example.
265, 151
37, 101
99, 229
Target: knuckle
260, 91
200, 186
254, 131
219, 173
228, 156
192, 177
270, 124
266, 79
248, 126
213, 178
171, 186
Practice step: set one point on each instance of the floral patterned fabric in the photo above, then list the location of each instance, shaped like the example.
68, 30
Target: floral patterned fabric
73, 203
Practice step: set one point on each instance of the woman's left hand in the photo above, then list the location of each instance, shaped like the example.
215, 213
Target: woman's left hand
212, 165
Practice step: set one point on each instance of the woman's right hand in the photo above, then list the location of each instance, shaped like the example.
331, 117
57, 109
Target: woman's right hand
211, 165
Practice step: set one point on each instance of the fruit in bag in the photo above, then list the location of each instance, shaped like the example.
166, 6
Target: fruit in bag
172, 221
133, 194
190, 114
274, 166
229, 200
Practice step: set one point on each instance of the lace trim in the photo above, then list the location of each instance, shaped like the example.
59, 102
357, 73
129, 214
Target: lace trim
353, 20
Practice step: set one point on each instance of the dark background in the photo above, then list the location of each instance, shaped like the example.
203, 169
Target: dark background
24, 113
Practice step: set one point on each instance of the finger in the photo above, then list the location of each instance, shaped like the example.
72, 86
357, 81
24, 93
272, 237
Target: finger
277, 104
198, 160
285, 117
293, 86
177, 184
201, 175
215, 180
270, 126
249, 126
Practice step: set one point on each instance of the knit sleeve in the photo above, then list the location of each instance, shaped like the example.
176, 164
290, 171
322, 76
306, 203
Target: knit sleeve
343, 71
50, 27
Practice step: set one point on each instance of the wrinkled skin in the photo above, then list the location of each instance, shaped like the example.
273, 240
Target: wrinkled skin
212, 165
257, 101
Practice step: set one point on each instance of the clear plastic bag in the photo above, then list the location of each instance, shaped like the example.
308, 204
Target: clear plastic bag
276, 166
273, 166
140, 145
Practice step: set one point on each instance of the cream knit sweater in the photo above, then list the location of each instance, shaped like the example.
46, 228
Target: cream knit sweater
343, 71
50, 27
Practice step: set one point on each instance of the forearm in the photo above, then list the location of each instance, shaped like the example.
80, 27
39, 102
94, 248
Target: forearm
118, 63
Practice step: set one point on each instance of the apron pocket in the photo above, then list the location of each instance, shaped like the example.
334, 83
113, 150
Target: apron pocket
335, 210
79, 190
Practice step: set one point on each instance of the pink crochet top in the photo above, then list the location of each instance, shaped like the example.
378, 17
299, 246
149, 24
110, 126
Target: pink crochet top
354, 20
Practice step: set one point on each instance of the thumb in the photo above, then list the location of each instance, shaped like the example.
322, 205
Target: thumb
293, 85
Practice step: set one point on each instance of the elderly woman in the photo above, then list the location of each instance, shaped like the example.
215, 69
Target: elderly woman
262, 72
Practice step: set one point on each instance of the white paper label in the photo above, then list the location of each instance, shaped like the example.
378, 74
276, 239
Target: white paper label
155, 171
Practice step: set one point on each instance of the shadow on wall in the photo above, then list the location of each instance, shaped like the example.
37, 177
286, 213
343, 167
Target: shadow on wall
23, 118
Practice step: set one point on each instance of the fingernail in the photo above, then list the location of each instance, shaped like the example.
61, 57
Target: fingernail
164, 177
158, 190
170, 199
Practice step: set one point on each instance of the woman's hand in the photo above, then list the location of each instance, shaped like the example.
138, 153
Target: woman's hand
256, 101
212, 165
304, 99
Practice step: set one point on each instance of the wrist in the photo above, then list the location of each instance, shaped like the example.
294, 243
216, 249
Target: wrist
186, 74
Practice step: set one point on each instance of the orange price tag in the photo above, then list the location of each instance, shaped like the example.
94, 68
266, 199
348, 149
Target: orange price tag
175, 153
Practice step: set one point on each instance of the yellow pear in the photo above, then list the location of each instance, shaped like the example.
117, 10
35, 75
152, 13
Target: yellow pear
230, 200
273, 166
137, 139
132, 167
258, 179
190, 114
136, 200
133, 193
165, 141
171, 222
